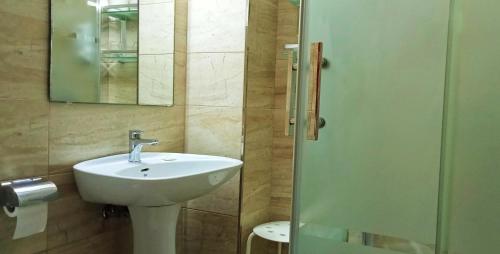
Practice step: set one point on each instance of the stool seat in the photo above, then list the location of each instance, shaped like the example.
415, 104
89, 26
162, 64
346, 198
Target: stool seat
277, 231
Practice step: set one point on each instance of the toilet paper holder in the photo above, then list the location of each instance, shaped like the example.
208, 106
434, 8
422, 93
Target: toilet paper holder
26, 192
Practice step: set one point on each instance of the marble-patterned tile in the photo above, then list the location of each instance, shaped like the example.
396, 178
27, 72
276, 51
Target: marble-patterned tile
257, 174
214, 130
156, 79
279, 122
180, 78
24, 47
181, 25
210, 233
156, 27
223, 200
288, 23
217, 25
24, 131
261, 45
282, 164
180, 56
258, 138
215, 79
281, 208
79, 132
282, 168
72, 220
287, 33
104, 243
280, 84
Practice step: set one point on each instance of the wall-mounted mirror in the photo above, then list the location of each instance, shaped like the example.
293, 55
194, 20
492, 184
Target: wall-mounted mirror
113, 51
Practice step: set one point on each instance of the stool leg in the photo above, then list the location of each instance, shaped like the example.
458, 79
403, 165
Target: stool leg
249, 243
279, 247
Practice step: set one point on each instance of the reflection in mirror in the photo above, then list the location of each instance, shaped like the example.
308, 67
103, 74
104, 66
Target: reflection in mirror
118, 45
113, 51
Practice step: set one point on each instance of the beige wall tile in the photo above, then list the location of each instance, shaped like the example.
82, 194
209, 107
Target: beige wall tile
181, 25
24, 65
287, 33
80, 132
214, 117
210, 233
282, 169
256, 183
180, 79
281, 80
216, 25
24, 131
267, 183
261, 45
214, 131
23, 106
215, 79
258, 139
288, 23
282, 165
156, 79
23, 74
156, 27
105, 243
180, 56
72, 220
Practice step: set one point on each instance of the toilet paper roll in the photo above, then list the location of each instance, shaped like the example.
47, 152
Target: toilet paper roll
30, 219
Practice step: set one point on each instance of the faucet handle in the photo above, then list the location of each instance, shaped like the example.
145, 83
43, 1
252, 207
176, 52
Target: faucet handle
135, 134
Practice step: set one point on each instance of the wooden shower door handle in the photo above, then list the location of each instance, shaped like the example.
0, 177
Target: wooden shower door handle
314, 87
289, 82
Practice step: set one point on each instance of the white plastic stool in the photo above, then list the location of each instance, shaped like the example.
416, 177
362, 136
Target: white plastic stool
278, 231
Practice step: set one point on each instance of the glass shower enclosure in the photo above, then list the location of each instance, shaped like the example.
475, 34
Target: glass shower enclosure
397, 145
369, 126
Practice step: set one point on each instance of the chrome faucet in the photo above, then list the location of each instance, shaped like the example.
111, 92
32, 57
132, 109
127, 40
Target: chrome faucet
136, 143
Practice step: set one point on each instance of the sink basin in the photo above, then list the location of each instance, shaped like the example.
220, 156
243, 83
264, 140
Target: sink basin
153, 189
161, 179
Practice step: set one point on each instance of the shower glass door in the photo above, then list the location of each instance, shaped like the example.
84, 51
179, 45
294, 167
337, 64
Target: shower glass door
370, 182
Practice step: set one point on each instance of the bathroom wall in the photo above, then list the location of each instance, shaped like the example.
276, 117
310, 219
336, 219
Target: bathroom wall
214, 117
267, 175
156, 50
282, 171
45, 139
259, 103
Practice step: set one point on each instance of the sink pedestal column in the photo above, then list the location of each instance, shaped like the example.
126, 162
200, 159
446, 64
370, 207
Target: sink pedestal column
154, 228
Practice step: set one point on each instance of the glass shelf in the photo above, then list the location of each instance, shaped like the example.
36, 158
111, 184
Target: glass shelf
120, 56
123, 12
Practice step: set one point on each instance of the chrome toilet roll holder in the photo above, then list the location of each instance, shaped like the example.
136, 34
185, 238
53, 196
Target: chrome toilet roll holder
26, 192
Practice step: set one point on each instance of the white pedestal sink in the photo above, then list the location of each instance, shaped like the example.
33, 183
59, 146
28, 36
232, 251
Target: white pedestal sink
153, 189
